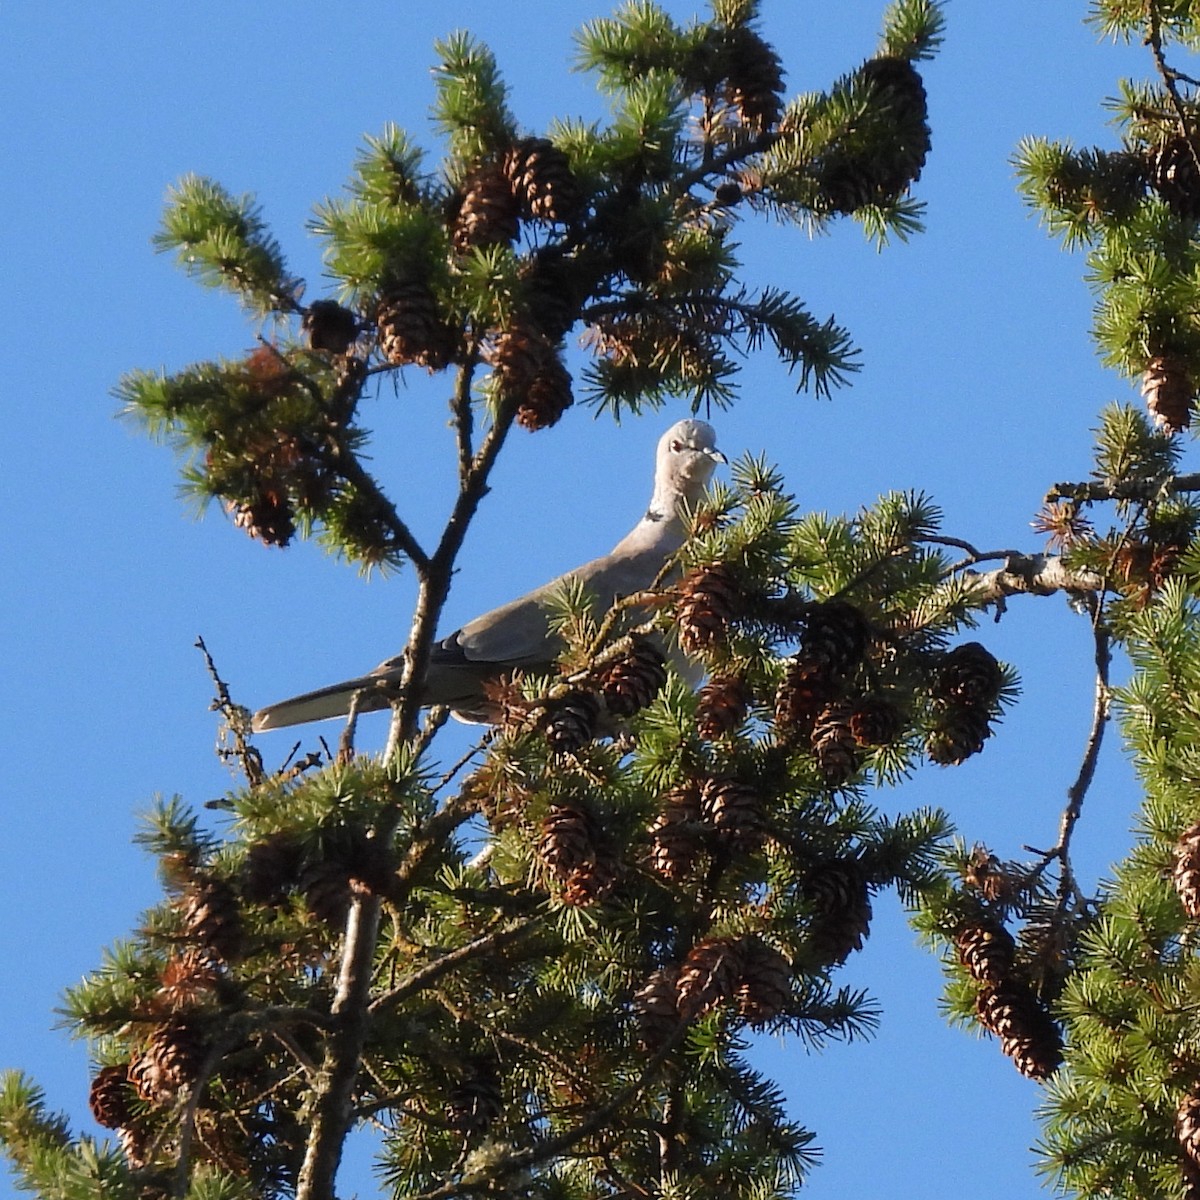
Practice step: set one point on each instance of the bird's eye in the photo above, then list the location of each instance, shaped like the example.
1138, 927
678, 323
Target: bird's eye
676, 446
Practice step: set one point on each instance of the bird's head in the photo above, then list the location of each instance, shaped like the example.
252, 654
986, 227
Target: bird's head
687, 457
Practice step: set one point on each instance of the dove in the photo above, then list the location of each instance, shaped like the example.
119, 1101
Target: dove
517, 635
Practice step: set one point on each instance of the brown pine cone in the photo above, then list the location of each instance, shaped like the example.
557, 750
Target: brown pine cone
986, 949
171, 1060
835, 637
765, 987
488, 214
753, 78
957, 734
212, 916
547, 396
629, 683
735, 810
721, 706
1175, 176
111, 1097
804, 692
1169, 392
268, 518
710, 599
676, 834
709, 975
568, 839
841, 910
411, 329
968, 675
569, 722
655, 1008
540, 176
1027, 1033
875, 721
833, 744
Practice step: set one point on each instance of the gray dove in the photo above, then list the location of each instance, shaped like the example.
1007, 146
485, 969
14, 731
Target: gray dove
516, 636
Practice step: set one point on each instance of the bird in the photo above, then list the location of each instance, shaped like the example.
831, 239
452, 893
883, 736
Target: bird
517, 635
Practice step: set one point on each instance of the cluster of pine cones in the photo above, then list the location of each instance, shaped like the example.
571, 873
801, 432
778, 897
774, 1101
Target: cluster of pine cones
821, 700
531, 181
182, 1024
1007, 1004
746, 971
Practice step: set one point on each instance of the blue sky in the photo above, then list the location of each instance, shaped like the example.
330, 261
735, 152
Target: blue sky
980, 386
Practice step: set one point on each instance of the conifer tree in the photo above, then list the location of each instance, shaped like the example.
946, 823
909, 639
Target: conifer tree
537, 970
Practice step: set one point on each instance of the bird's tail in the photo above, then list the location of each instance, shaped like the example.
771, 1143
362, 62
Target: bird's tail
331, 701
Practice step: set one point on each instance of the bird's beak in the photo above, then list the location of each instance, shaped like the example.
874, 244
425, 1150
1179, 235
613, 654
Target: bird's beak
716, 455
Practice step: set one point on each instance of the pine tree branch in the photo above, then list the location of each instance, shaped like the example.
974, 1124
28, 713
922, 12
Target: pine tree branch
352, 471
1170, 77
333, 1111
423, 977
550, 1148
438, 571
1031, 574
1143, 489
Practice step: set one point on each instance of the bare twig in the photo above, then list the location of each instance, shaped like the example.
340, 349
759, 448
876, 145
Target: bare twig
237, 722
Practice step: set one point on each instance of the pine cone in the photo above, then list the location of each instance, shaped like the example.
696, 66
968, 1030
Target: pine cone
271, 869
1175, 176
547, 396
540, 176
875, 721
488, 214
329, 326
111, 1097
189, 978
572, 848
710, 599
268, 518
835, 637
968, 675
765, 987
805, 691
1169, 392
676, 834
569, 722
655, 1009
987, 950
212, 917
735, 810
517, 355
834, 745
170, 1061
898, 83
1186, 875
325, 886
553, 289
411, 329
841, 910
629, 683
709, 974
957, 734
721, 706
1026, 1031
753, 79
